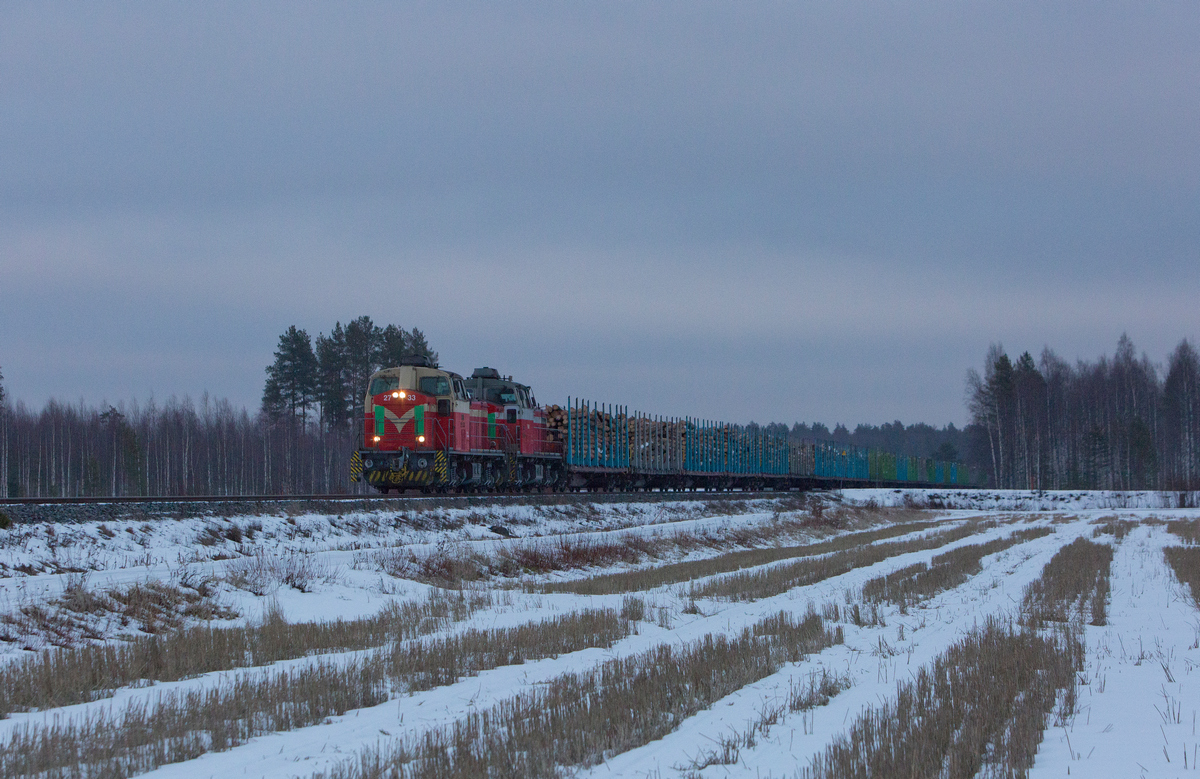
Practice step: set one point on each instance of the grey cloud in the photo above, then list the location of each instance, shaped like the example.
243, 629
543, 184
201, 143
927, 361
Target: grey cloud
848, 200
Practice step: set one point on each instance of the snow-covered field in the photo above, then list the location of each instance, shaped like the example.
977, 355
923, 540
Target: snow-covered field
1137, 702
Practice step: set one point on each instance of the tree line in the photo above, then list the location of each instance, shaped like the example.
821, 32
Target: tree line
917, 440
179, 447
1117, 423
1120, 423
298, 442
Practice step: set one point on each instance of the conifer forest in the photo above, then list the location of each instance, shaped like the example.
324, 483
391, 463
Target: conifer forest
1120, 422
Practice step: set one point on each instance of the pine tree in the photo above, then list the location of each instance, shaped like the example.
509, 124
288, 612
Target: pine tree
418, 345
331, 378
273, 403
394, 344
947, 452
292, 379
363, 341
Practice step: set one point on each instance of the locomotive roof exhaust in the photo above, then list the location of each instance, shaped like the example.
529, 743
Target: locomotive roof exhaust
419, 360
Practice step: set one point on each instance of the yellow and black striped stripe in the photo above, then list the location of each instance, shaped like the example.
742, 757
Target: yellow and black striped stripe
401, 478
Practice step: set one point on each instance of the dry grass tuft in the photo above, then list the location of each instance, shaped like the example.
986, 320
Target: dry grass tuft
580, 719
802, 697
76, 675
1117, 528
183, 726
1185, 561
451, 565
763, 583
979, 710
912, 584
1073, 584
422, 665
631, 581
1188, 530
633, 608
82, 614
263, 573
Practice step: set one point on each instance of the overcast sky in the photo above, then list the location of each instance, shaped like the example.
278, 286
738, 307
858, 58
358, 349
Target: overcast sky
768, 211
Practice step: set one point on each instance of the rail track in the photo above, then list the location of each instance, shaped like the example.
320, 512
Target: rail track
487, 497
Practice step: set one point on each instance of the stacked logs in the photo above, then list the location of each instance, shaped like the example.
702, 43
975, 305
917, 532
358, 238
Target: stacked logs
650, 442
657, 443
654, 444
598, 424
556, 422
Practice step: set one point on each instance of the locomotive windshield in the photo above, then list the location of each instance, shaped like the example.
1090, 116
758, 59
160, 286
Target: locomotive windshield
384, 384
434, 385
500, 395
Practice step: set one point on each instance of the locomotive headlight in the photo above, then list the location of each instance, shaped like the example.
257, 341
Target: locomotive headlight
420, 439
377, 439
401, 395
396, 395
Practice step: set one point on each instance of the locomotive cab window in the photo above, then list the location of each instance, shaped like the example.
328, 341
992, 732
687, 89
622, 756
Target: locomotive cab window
381, 384
434, 385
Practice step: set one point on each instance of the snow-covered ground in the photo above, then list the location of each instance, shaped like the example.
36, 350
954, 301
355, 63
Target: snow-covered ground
1138, 701
1024, 500
38, 561
1140, 696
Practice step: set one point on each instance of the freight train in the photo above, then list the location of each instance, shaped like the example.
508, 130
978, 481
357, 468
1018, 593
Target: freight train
434, 430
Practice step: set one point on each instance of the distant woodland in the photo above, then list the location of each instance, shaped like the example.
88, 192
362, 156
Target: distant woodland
298, 442
1118, 423
917, 440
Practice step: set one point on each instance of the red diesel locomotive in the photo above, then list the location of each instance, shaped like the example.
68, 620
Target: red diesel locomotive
432, 429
